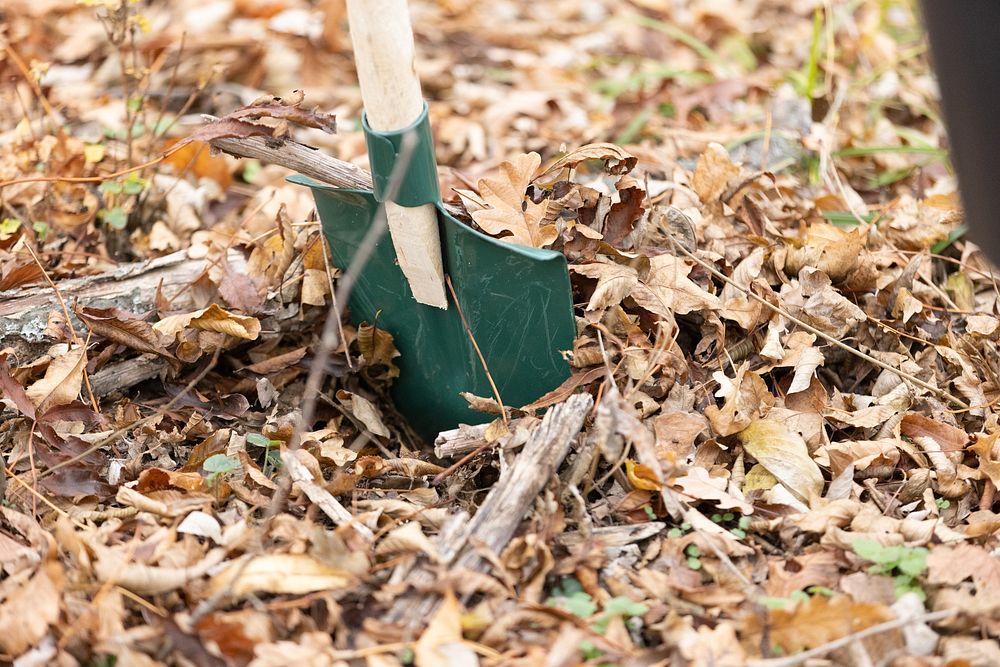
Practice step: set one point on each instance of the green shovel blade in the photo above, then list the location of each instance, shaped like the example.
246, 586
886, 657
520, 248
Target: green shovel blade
516, 300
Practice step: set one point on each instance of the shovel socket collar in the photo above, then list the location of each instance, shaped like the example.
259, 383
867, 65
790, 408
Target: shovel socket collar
420, 182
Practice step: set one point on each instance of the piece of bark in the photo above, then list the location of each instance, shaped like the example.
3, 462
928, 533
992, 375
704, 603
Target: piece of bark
128, 373
504, 508
459, 441
510, 499
610, 537
24, 311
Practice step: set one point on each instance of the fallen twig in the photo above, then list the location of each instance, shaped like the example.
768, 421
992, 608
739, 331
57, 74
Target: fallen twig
500, 514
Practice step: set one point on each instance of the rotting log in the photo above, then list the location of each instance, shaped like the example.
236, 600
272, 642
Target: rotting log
24, 311
132, 287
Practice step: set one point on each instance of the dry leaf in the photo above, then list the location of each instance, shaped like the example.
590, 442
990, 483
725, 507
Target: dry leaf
314, 649
745, 397
441, 643
907, 305
667, 290
29, 609
713, 172
919, 224
212, 318
950, 565
699, 485
124, 329
814, 622
736, 305
713, 647
617, 160
803, 358
511, 216
62, 382
480, 404
295, 574
378, 348
614, 282
271, 257
366, 413
828, 248
982, 325
13, 392
988, 452
641, 477
949, 438
203, 525
784, 454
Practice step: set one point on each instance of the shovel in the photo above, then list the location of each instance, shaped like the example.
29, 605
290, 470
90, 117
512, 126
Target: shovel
474, 294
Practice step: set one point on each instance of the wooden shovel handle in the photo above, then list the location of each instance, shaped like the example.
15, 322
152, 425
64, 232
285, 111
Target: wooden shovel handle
390, 90
384, 56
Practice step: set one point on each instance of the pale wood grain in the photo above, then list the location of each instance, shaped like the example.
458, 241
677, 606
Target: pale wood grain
390, 89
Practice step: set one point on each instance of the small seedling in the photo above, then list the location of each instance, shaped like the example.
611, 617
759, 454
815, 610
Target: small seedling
678, 531
693, 556
740, 531
903, 564
8, 226
115, 215
571, 598
589, 651
794, 597
218, 465
41, 229
272, 458
621, 606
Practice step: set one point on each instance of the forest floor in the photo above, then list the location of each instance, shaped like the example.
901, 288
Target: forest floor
778, 442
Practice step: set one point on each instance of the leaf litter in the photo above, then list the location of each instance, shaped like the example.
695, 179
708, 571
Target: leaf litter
791, 451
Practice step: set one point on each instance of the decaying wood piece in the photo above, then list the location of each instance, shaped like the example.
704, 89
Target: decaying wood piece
504, 508
127, 373
24, 311
613, 536
459, 441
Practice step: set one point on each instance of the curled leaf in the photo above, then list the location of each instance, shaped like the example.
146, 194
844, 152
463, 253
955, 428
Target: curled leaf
212, 318
641, 477
784, 454
617, 159
62, 382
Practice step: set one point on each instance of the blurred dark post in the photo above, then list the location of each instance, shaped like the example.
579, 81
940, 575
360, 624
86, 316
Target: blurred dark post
965, 45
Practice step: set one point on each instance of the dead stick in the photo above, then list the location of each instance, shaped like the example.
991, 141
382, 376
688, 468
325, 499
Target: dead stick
307, 161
